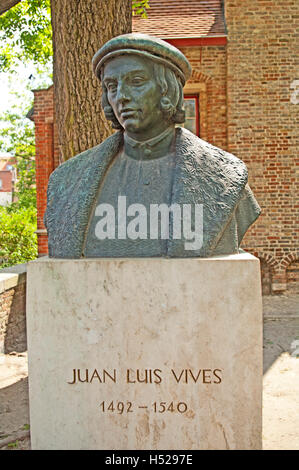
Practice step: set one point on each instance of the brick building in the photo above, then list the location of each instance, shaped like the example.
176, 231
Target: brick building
243, 96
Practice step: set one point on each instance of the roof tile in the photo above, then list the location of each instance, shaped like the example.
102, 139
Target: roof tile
182, 19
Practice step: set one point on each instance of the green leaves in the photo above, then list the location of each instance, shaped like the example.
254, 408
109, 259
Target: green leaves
139, 8
18, 243
17, 133
17, 138
25, 31
21, 145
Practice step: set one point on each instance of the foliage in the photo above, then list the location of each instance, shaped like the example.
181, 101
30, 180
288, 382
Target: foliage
17, 138
25, 188
18, 242
26, 32
140, 7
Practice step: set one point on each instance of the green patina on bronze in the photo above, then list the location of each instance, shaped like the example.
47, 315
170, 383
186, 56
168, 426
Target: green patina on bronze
149, 161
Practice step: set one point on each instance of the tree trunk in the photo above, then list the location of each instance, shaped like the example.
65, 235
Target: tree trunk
80, 28
7, 5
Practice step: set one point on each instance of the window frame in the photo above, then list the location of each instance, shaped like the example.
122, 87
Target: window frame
197, 114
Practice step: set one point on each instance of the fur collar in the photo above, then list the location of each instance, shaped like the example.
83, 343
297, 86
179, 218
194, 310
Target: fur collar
204, 175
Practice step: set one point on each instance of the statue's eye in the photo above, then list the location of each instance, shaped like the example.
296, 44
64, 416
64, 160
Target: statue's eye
137, 80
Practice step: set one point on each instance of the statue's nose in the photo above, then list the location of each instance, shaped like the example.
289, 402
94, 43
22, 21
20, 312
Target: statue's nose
123, 93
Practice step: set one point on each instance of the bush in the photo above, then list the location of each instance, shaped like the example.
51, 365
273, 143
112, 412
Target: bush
18, 241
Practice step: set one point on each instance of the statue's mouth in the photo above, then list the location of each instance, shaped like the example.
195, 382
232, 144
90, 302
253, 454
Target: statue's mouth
127, 113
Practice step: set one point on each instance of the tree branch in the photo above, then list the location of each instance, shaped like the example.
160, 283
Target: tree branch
6, 5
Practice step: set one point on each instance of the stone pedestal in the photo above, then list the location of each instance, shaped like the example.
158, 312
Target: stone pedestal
145, 353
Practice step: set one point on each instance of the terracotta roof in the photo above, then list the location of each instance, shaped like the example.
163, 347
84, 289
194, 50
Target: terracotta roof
182, 19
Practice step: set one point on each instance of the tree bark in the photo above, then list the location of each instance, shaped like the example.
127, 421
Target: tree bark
7, 5
80, 28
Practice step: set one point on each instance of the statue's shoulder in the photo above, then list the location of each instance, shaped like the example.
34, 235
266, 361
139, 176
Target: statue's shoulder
212, 158
73, 185
76, 166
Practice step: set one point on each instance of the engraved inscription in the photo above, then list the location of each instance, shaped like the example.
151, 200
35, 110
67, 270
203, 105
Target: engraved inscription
121, 407
206, 376
147, 376
88, 376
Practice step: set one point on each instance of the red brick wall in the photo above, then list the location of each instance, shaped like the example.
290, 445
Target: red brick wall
46, 157
263, 122
209, 68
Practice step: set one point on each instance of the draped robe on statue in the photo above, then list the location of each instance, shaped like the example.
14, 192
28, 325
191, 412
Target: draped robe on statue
201, 174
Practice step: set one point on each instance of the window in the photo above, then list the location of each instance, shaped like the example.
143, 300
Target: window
191, 105
0, 183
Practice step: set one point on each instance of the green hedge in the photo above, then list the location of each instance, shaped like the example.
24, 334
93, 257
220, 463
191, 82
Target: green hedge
18, 241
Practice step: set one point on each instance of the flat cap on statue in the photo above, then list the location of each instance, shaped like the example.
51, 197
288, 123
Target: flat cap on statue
147, 46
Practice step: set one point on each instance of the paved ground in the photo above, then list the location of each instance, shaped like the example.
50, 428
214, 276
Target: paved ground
280, 390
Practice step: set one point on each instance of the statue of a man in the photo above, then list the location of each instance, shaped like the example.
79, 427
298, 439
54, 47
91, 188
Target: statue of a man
153, 188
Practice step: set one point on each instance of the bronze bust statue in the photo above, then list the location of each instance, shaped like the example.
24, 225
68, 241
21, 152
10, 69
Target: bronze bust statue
152, 188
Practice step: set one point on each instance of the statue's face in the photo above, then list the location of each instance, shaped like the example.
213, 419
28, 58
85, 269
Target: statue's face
134, 96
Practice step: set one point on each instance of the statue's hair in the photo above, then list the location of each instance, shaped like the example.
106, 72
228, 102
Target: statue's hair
172, 97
